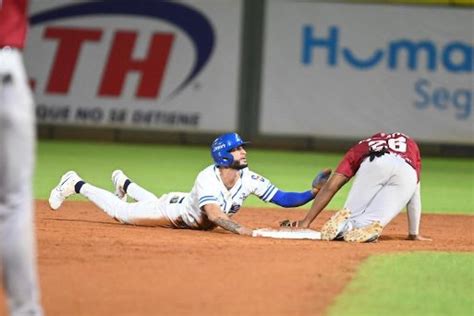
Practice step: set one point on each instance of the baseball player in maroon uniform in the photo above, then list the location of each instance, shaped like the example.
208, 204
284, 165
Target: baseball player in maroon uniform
387, 178
17, 142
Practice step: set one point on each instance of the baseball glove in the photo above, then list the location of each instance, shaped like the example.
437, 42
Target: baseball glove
321, 178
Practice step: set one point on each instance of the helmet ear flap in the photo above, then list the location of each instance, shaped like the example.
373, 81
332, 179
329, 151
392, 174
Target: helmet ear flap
225, 160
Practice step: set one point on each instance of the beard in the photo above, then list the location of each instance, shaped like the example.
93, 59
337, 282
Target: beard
237, 165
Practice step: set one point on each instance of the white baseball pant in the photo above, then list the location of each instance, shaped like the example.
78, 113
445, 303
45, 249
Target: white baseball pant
381, 189
17, 157
148, 210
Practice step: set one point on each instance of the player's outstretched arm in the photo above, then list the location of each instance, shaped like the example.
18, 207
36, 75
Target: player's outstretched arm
295, 199
215, 215
323, 198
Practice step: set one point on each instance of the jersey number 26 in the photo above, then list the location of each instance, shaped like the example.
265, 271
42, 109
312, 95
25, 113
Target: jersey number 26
396, 144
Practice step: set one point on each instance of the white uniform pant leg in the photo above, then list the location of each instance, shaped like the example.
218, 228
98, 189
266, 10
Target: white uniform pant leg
393, 195
368, 181
138, 193
17, 157
173, 206
144, 213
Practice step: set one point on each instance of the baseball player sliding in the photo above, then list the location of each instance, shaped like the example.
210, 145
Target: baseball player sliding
218, 193
387, 178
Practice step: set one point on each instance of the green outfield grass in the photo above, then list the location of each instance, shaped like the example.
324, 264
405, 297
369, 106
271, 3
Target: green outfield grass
424, 283
407, 284
447, 184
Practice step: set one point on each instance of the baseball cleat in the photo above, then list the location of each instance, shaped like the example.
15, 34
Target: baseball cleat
64, 189
118, 179
367, 233
331, 228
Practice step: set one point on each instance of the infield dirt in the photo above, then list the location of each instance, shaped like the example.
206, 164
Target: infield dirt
91, 265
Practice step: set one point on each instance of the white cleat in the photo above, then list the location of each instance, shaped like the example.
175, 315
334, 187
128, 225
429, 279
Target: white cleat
64, 189
118, 179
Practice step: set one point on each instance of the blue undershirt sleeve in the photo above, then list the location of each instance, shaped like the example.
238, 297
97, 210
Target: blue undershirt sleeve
292, 199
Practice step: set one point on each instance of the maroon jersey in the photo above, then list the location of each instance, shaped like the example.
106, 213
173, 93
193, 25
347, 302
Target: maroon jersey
13, 23
395, 143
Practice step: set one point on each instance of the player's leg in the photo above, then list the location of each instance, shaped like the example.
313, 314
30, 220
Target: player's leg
124, 185
146, 212
17, 152
18, 259
334, 227
386, 204
367, 183
393, 196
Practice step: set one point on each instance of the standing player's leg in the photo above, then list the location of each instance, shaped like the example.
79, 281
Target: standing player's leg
123, 186
17, 157
146, 212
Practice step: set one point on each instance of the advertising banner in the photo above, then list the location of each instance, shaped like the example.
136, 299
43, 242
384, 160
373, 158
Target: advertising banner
342, 70
135, 64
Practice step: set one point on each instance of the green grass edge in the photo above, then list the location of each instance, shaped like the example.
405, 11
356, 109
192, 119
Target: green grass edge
447, 184
421, 283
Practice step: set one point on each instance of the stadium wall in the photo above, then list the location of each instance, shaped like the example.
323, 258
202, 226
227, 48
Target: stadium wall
286, 74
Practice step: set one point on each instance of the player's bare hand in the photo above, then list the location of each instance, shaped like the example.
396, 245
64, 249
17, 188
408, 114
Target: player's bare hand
245, 231
419, 238
320, 180
292, 224
288, 223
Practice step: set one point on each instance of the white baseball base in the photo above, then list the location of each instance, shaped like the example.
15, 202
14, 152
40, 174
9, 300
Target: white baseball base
287, 233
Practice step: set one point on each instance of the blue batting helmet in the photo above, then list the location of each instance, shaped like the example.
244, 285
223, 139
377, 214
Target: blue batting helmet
221, 147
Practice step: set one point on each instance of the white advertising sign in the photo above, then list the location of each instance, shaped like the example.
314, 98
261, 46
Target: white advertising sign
136, 64
341, 70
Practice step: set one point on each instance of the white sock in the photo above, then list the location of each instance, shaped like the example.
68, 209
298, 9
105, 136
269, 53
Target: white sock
138, 193
107, 201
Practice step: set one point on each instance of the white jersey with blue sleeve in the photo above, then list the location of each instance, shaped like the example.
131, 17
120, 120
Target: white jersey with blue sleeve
209, 189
